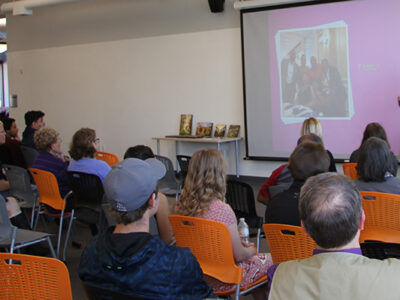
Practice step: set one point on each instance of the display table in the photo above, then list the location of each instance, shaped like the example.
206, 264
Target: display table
217, 141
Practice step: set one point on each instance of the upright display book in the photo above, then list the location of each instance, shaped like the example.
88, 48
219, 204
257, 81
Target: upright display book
185, 127
220, 130
233, 131
204, 129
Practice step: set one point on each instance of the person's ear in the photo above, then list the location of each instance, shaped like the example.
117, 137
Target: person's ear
362, 220
304, 228
153, 200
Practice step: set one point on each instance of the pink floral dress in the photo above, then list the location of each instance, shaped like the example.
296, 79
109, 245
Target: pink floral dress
253, 268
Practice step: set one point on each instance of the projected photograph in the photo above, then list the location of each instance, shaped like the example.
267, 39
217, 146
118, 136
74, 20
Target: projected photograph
314, 73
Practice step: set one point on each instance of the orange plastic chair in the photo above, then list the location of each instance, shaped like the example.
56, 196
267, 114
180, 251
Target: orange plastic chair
287, 242
350, 170
109, 158
382, 217
49, 194
210, 242
33, 277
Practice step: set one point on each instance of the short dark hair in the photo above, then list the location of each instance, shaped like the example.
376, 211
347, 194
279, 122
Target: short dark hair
32, 116
7, 122
308, 159
374, 129
128, 217
330, 208
375, 160
82, 144
311, 137
140, 151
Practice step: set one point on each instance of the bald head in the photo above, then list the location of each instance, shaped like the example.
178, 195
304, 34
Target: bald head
330, 208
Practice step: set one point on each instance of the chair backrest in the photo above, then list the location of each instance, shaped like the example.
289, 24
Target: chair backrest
30, 155
380, 250
6, 155
47, 186
20, 183
110, 158
87, 189
350, 170
287, 242
382, 210
95, 292
169, 180
5, 225
183, 161
33, 277
210, 242
240, 196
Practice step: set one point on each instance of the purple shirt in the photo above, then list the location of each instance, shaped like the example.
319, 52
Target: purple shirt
272, 269
47, 162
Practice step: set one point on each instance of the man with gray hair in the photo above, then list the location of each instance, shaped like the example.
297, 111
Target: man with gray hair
127, 258
331, 213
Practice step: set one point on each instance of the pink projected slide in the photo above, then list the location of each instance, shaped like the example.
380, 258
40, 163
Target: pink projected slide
335, 63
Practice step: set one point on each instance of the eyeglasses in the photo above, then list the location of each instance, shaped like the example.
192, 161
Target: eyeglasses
97, 140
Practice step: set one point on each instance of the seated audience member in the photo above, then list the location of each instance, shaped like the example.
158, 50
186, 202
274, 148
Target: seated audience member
159, 224
17, 218
374, 130
4, 184
13, 142
375, 168
281, 178
51, 159
331, 213
313, 125
308, 159
34, 121
82, 150
204, 197
127, 258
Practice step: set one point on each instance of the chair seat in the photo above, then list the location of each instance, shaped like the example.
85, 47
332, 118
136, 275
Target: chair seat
24, 236
379, 234
262, 280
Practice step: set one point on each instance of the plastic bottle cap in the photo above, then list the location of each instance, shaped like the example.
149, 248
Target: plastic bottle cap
241, 219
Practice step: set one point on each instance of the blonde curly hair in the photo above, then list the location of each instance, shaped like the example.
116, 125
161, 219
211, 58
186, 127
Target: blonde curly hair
204, 183
44, 138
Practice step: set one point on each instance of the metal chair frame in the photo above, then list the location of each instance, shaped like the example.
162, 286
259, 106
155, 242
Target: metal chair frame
49, 194
210, 242
14, 238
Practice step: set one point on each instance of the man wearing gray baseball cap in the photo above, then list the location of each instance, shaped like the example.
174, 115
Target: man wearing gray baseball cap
126, 258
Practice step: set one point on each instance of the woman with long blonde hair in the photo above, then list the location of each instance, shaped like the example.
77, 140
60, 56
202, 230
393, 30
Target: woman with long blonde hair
204, 197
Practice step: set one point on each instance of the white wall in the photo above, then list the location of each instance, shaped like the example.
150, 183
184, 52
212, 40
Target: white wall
131, 90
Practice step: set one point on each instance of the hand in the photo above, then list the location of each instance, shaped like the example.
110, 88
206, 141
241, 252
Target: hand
12, 207
252, 250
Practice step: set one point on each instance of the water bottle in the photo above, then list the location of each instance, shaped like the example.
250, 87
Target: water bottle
243, 229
